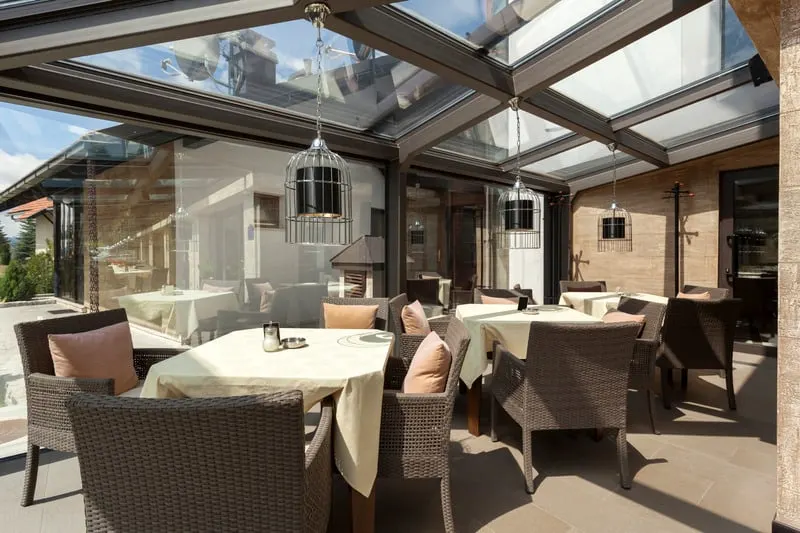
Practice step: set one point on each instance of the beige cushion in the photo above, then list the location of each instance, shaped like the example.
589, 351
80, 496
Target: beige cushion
414, 320
695, 296
101, 353
495, 300
615, 317
267, 294
349, 316
429, 367
208, 287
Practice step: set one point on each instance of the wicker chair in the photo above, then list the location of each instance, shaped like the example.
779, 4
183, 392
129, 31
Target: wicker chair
698, 334
715, 292
228, 321
582, 286
415, 428
48, 423
643, 363
575, 377
381, 319
172, 465
396, 304
503, 293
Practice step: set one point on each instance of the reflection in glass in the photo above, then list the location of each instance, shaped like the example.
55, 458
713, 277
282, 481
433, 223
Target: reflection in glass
273, 65
584, 159
692, 48
715, 114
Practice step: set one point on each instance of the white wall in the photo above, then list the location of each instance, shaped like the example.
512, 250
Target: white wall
44, 233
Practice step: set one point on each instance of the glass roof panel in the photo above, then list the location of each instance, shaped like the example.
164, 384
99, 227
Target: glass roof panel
585, 159
509, 29
275, 65
716, 114
703, 43
495, 139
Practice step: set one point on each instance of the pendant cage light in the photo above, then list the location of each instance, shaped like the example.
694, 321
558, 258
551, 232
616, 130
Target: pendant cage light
519, 208
416, 230
614, 228
318, 187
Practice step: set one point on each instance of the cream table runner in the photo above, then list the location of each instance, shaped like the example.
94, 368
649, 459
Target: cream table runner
489, 322
180, 313
598, 303
348, 364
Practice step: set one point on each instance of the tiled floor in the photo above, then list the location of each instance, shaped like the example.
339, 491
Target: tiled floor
710, 470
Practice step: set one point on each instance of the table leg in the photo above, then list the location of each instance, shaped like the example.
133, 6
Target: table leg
363, 511
474, 407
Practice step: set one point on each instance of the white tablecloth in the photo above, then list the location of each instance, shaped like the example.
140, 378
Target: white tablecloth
444, 291
489, 322
180, 313
598, 303
349, 364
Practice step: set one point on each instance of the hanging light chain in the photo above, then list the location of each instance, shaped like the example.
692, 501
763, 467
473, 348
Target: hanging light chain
316, 13
514, 103
613, 147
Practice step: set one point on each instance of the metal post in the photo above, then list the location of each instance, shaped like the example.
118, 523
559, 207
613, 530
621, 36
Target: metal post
94, 275
676, 192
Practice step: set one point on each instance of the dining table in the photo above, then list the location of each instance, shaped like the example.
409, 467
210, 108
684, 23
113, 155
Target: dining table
598, 304
504, 323
179, 312
346, 364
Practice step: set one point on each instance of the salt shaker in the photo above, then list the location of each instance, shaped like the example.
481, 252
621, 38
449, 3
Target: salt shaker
272, 337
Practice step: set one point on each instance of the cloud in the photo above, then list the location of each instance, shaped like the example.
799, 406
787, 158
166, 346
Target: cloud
77, 130
15, 167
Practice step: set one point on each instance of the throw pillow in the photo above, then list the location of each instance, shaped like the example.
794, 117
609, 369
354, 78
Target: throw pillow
267, 293
429, 368
695, 296
349, 316
615, 317
495, 300
101, 353
414, 320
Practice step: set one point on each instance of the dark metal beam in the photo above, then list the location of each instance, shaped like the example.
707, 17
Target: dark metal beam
615, 28
461, 116
695, 92
96, 27
404, 37
550, 149
87, 90
569, 114
745, 134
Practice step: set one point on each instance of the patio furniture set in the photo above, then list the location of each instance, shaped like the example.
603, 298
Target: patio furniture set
227, 419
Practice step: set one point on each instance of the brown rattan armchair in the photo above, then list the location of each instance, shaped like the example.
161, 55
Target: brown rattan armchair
643, 364
233, 464
415, 428
381, 319
582, 286
575, 377
715, 292
48, 423
698, 334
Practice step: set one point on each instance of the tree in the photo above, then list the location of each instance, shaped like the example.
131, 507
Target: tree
40, 272
15, 284
26, 243
5, 248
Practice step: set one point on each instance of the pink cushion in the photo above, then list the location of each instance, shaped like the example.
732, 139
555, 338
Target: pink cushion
267, 294
429, 368
208, 287
495, 300
349, 316
695, 296
101, 353
615, 317
414, 320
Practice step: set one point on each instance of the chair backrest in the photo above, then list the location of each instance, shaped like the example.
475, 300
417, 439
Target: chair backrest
715, 292
457, 339
700, 333
32, 336
582, 286
252, 293
172, 465
234, 284
299, 305
577, 374
424, 290
396, 305
158, 278
381, 319
652, 310
228, 321
503, 293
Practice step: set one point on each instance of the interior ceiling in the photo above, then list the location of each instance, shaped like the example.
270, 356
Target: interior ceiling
451, 85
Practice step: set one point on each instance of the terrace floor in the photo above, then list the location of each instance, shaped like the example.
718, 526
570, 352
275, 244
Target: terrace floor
710, 470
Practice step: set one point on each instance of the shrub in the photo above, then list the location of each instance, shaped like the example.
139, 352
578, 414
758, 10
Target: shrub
16, 285
40, 272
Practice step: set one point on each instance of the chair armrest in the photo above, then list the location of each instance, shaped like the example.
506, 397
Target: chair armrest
318, 483
413, 423
144, 358
508, 376
644, 357
408, 345
47, 397
439, 324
